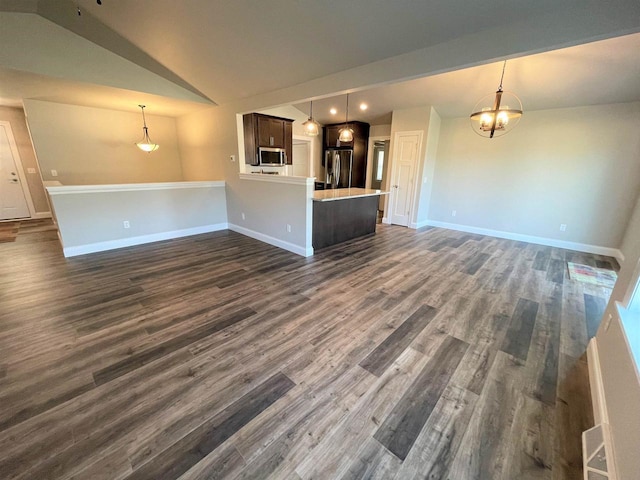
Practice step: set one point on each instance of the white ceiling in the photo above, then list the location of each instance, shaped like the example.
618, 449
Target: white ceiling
601, 72
257, 54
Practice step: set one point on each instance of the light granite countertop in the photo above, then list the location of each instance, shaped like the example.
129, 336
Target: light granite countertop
345, 193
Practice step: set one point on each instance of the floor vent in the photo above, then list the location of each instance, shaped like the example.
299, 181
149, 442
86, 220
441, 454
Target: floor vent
596, 454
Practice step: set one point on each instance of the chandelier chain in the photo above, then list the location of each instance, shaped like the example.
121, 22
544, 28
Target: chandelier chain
502, 77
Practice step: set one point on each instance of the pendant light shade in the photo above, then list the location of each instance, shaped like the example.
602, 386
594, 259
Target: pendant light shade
311, 126
146, 145
496, 114
346, 133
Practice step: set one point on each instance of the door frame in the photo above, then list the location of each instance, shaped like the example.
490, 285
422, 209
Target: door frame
20, 170
372, 140
392, 175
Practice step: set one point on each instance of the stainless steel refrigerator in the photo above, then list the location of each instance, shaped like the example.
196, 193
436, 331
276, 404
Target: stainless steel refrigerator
338, 165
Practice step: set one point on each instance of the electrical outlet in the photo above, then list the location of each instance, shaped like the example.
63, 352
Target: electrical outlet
232, 158
54, 173
126, 224
31, 170
243, 217
454, 213
288, 228
563, 227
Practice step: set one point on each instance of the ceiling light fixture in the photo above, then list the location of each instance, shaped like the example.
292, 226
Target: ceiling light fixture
346, 134
333, 111
363, 106
499, 119
311, 126
146, 145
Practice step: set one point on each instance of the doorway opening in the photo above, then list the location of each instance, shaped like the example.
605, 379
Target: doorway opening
377, 168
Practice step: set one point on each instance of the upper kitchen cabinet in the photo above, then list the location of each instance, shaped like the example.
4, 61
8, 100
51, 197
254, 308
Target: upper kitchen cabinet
267, 131
332, 134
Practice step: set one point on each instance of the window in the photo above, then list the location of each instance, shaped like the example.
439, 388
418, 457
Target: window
380, 165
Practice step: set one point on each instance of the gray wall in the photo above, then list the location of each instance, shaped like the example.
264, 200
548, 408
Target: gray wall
91, 218
96, 146
207, 139
577, 166
268, 208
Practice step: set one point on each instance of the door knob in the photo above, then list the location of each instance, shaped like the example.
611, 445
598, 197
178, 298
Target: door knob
13, 173
14, 180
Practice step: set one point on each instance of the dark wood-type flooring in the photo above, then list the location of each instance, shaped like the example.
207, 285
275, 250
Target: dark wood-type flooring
408, 354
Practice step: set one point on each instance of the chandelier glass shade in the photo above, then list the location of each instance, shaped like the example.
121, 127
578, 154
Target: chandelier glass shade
496, 114
311, 128
346, 133
146, 145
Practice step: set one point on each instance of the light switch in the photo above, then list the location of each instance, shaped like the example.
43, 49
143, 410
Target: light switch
54, 173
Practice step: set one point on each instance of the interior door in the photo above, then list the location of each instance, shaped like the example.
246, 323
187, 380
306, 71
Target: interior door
13, 203
405, 162
301, 155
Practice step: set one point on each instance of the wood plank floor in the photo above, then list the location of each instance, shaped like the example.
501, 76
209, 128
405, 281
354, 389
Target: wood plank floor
408, 354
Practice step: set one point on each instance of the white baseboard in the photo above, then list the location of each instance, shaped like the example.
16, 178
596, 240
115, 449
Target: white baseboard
550, 242
292, 247
417, 225
131, 241
39, 215
386, 220
598, 399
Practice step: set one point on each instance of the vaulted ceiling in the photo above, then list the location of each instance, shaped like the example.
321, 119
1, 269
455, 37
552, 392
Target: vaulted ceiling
204, 53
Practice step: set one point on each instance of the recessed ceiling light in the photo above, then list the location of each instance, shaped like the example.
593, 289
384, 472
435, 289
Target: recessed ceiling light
333, 111
363, 106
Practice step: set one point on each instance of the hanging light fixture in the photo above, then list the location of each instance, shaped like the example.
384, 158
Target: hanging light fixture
346, 133
311, 126
499, 119
146, 145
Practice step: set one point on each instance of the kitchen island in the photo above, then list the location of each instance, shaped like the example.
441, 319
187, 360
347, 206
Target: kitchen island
343, 214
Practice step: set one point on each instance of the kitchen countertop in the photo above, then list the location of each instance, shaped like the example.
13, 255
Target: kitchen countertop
345, 193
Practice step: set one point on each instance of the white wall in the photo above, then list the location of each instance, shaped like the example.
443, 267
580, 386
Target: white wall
95, 146
575, 166
619, 376
409, 119
427, 172
380, 130
91, 219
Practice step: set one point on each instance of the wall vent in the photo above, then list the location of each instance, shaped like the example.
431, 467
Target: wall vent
597, 457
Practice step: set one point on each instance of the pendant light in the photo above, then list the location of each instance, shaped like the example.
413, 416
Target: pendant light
346, 133
311, 126
493, 116
146, 145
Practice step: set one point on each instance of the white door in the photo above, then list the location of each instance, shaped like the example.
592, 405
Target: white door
405, 162
13, 203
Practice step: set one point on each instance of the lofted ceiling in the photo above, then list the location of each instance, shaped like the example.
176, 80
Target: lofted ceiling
199, 52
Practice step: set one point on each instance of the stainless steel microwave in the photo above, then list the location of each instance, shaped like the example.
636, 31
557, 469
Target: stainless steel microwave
272, 156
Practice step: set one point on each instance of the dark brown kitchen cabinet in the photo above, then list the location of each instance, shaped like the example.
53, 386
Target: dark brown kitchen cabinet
267, 131
358, 146
332, 135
